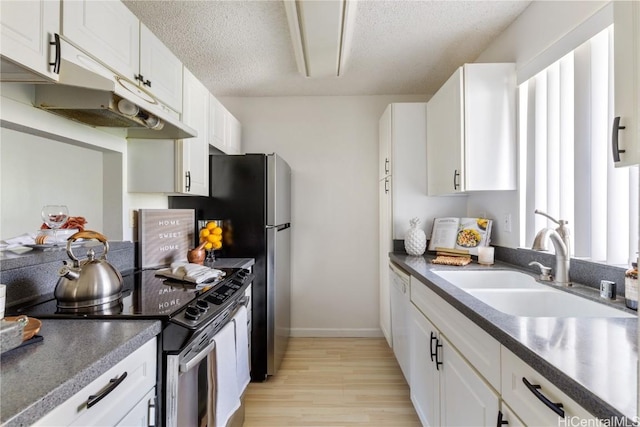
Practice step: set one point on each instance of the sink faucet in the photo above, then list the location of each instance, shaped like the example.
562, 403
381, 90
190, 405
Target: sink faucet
560, 239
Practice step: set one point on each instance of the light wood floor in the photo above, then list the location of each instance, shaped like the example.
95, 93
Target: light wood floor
333, 382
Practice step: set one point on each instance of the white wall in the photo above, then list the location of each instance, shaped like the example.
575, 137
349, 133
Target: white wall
331, 144
529, 41
35, 171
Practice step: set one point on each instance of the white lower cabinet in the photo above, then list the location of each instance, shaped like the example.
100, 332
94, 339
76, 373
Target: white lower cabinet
425, 382
508, 417
465, 398
534, 399
445, 389
400, 302
123, 395
462, 376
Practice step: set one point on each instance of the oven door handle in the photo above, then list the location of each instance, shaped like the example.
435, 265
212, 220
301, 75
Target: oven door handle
194, 361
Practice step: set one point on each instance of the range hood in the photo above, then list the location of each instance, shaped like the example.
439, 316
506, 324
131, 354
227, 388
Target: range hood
90, 93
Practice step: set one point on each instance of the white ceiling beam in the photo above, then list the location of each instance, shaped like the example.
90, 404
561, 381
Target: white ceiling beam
321, 33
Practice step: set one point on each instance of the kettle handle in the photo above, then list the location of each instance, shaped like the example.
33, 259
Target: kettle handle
87, 234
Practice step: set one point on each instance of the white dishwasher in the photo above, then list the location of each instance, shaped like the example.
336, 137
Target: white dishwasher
400, 300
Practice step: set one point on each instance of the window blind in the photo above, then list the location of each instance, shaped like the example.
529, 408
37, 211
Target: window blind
566, 112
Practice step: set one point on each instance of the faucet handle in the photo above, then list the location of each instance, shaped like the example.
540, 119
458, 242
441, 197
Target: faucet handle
545, 272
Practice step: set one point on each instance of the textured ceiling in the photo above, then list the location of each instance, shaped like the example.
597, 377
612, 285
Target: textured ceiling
243, 48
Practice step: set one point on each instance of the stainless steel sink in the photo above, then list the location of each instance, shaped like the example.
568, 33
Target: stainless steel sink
518, 294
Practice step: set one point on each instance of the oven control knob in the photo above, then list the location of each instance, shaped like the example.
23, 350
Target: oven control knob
238, 283
202, 305
192, 313
242, 273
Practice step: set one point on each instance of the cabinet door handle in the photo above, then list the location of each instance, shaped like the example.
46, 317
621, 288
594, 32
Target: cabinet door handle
535, 389
614, 139
139, 77
501, 422
147, 83
438, 362
386, 186
386, 166
188, 184
113, 383
456, 175
56, 63
433, 337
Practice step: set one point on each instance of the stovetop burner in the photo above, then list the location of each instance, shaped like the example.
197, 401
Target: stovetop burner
144, 295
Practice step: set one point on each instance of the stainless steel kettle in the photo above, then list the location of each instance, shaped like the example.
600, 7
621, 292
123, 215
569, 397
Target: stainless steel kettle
91, 284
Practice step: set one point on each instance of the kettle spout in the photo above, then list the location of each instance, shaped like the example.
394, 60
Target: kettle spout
70, 274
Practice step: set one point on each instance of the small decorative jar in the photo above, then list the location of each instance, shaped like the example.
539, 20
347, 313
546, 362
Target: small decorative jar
415, 241
631, 287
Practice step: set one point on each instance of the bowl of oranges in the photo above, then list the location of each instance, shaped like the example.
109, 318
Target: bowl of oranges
211, 234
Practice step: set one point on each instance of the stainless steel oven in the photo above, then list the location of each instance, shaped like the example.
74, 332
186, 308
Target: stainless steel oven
191, 317
188, 394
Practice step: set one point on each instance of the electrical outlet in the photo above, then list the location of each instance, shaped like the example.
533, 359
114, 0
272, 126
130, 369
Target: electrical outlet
506, 222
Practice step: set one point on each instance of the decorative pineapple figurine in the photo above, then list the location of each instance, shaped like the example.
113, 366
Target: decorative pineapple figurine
415, 241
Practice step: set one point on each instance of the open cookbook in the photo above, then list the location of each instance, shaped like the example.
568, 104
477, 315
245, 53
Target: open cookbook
460, 234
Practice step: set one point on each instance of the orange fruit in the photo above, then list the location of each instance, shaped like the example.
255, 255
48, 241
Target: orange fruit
204, 232
217, 245
217, 231
208, 246
211, 225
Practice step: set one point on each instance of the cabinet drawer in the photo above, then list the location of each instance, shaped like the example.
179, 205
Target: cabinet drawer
531, 410
140, 368
477, 346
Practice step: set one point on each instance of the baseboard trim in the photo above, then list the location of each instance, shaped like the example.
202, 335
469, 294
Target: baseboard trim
336, 333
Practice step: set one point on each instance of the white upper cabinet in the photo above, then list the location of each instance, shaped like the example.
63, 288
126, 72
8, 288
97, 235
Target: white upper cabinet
111, 33
28, 28
174, 167
234, 135
194, 152
471, 138
385, 138
160, 70
107, 30
625, 138
225, 131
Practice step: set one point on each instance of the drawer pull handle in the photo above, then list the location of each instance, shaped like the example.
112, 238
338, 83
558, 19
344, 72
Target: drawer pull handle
113, 383
535, 389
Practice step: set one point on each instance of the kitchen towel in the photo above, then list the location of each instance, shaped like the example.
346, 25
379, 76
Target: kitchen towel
194, 273
242, 349
227, 396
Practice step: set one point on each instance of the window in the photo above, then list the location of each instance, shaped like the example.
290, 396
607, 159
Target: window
565, 117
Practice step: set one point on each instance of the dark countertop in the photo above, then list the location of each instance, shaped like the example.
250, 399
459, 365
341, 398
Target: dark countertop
593, 360
39, 377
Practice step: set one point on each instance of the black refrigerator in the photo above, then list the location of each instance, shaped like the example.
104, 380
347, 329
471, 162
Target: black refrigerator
252, 192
